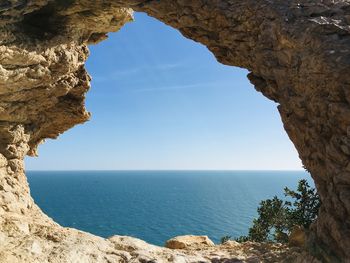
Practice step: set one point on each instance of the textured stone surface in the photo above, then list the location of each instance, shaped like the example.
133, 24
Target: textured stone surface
297, 53
297, 237
188, 241
50, 244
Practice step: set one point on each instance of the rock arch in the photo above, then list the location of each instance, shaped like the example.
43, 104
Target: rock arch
297, 52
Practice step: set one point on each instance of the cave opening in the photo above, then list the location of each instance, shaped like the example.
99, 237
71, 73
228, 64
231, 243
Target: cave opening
297, 55
165, 104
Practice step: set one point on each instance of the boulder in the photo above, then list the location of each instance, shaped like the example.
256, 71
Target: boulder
297, 237
188, 241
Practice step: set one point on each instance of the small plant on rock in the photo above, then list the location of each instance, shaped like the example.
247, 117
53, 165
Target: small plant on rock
224, 239
277, 217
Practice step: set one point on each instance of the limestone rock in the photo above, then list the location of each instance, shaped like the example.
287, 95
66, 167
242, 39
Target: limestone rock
297, 53
297, 237
188, 241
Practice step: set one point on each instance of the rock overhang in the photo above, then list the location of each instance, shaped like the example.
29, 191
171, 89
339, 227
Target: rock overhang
297, 53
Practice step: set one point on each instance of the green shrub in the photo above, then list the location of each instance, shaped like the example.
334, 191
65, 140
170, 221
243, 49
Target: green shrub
277, 217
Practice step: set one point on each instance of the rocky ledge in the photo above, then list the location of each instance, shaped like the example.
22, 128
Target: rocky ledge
50, 244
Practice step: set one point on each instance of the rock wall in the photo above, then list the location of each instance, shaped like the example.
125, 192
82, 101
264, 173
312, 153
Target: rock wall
297, 52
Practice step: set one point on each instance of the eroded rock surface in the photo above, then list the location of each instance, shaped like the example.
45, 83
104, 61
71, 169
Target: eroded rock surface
188, 241
297, 52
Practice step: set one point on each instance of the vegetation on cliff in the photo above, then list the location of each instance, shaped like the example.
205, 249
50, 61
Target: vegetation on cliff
278, 217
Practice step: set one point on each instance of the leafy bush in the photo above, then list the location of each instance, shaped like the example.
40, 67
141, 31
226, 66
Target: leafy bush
277, 217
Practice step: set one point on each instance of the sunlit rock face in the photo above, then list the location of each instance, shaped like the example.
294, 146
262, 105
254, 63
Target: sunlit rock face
298, 53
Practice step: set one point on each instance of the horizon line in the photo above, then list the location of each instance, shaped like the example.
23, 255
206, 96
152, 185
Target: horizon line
168, 170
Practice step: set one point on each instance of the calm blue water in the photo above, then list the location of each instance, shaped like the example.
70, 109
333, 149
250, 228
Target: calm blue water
157, 205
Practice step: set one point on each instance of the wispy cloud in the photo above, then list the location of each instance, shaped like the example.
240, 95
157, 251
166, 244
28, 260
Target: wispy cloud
123, 72
168, 66
178, 87
175, 87
136, 70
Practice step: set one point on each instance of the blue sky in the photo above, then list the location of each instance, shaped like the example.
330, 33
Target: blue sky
161, 101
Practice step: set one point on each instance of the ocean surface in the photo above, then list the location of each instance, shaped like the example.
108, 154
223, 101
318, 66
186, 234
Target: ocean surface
158, 205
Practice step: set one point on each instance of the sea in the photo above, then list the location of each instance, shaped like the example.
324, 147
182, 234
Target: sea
158, 205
